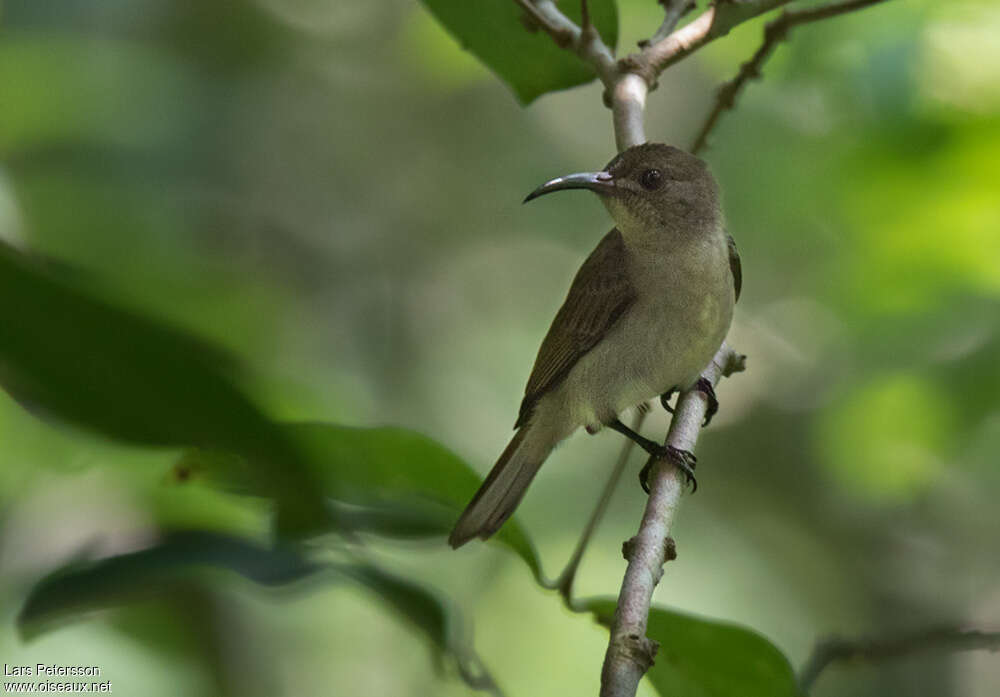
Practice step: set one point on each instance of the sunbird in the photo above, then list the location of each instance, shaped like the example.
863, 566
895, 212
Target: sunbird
645, 314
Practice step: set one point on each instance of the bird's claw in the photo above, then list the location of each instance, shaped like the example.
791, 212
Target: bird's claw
665, 399
704, 386
684, 460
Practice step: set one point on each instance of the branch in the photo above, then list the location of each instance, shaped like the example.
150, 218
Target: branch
673, 11
585, 43
630, 653
873, 650
774, 33
716, 21
628, 104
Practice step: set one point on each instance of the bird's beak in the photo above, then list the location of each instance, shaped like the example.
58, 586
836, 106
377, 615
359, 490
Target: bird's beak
598, 182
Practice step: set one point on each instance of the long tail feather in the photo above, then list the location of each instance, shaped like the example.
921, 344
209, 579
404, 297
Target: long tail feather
503, 489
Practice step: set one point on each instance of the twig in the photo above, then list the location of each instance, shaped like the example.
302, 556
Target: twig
630, 653
873, 650
560, 32
714, 22
564, 584
673, 11
775, 32
588, 44
628, 81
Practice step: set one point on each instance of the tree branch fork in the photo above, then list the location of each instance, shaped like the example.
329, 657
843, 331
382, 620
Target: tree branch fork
627, 81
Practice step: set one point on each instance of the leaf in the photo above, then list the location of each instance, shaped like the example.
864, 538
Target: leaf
395, 467
83, 587
400, 520
529, 61
181, 559
420, 606
394, 481
706, 658
72, 356
428, 612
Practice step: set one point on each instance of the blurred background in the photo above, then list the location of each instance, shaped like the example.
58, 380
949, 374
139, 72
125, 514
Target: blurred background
331, 190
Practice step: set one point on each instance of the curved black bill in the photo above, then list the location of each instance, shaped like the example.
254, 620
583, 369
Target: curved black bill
599, 182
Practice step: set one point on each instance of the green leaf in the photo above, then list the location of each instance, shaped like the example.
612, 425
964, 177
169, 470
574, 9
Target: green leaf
394, 467
72, 356
84, 587
393, 481
428, 612
529, 61
181, 560
706, 658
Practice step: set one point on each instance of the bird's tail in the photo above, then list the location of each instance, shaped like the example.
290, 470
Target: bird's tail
504, 486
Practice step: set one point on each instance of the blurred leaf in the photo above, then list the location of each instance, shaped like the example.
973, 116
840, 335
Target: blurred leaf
419, 605
400, 520
529, 61
181, 558
81, 588
705, 658
396, 482
394, 466
74, 357
430, 614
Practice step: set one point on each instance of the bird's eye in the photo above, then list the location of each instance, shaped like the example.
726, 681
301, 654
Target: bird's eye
651, 179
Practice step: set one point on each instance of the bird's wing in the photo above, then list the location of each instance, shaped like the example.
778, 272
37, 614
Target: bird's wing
599, 295
734, 265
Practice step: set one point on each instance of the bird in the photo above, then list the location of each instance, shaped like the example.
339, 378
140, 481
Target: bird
644, 315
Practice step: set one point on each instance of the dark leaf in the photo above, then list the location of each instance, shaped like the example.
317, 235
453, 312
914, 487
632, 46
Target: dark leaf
84, 587
529, 61
174, 567
393, 481
430, 614
706, 658
76, 358
380, 467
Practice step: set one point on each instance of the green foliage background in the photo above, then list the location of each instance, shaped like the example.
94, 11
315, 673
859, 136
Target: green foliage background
329, 191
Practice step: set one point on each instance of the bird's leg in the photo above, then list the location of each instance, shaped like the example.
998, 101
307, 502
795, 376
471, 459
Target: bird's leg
651, 447
684, 460
665, 399
705, 386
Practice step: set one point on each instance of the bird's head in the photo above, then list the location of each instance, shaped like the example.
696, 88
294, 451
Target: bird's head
647, 188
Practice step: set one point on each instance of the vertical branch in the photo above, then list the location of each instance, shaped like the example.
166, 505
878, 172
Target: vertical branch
628, 104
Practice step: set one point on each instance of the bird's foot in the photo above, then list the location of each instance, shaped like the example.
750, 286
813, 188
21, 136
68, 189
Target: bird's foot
665, 399
684, 460
704, 386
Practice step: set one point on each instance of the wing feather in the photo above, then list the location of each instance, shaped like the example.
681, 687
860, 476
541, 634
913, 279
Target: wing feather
599, 295
734, 265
